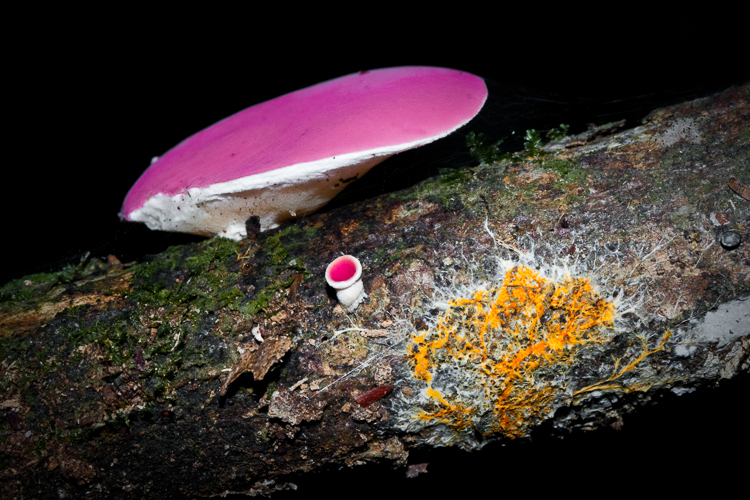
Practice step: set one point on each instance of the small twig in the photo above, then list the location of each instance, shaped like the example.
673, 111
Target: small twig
702, 252
297, 384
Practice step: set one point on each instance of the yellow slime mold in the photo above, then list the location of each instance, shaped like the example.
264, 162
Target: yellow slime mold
509, 347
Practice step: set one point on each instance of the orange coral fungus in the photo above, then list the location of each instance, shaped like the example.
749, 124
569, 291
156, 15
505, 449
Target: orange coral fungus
494, 362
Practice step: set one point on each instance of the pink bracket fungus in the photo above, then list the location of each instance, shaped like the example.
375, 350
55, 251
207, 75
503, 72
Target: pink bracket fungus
344, 275
289, 156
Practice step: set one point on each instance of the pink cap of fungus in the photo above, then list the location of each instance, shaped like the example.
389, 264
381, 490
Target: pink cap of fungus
289, 156
344, 275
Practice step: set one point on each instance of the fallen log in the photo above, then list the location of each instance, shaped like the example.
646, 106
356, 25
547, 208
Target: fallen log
551, 291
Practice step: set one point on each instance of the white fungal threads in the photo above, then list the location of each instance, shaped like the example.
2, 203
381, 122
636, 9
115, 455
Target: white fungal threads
344, 275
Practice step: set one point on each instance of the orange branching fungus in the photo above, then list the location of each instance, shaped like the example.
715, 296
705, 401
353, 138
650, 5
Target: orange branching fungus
494, 361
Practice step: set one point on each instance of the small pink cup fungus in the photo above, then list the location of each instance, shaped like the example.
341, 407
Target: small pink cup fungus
344, 275
289, 156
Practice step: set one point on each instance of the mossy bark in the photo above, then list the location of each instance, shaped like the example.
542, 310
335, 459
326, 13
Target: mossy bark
227, 366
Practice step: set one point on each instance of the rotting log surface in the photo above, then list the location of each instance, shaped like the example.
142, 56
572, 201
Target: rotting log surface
150, 380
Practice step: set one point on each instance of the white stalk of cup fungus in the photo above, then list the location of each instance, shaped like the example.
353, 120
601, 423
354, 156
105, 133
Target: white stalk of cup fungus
345, 275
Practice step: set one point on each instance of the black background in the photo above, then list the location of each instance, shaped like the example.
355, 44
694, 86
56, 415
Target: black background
91, 102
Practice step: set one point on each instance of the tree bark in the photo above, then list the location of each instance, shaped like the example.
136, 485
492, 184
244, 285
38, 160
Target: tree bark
554, 291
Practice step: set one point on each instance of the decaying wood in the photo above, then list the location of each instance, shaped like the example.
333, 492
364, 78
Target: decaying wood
224, 367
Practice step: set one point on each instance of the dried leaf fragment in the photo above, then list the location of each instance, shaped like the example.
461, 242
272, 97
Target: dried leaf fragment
258, 361
740, 188
414, 470
294, 409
